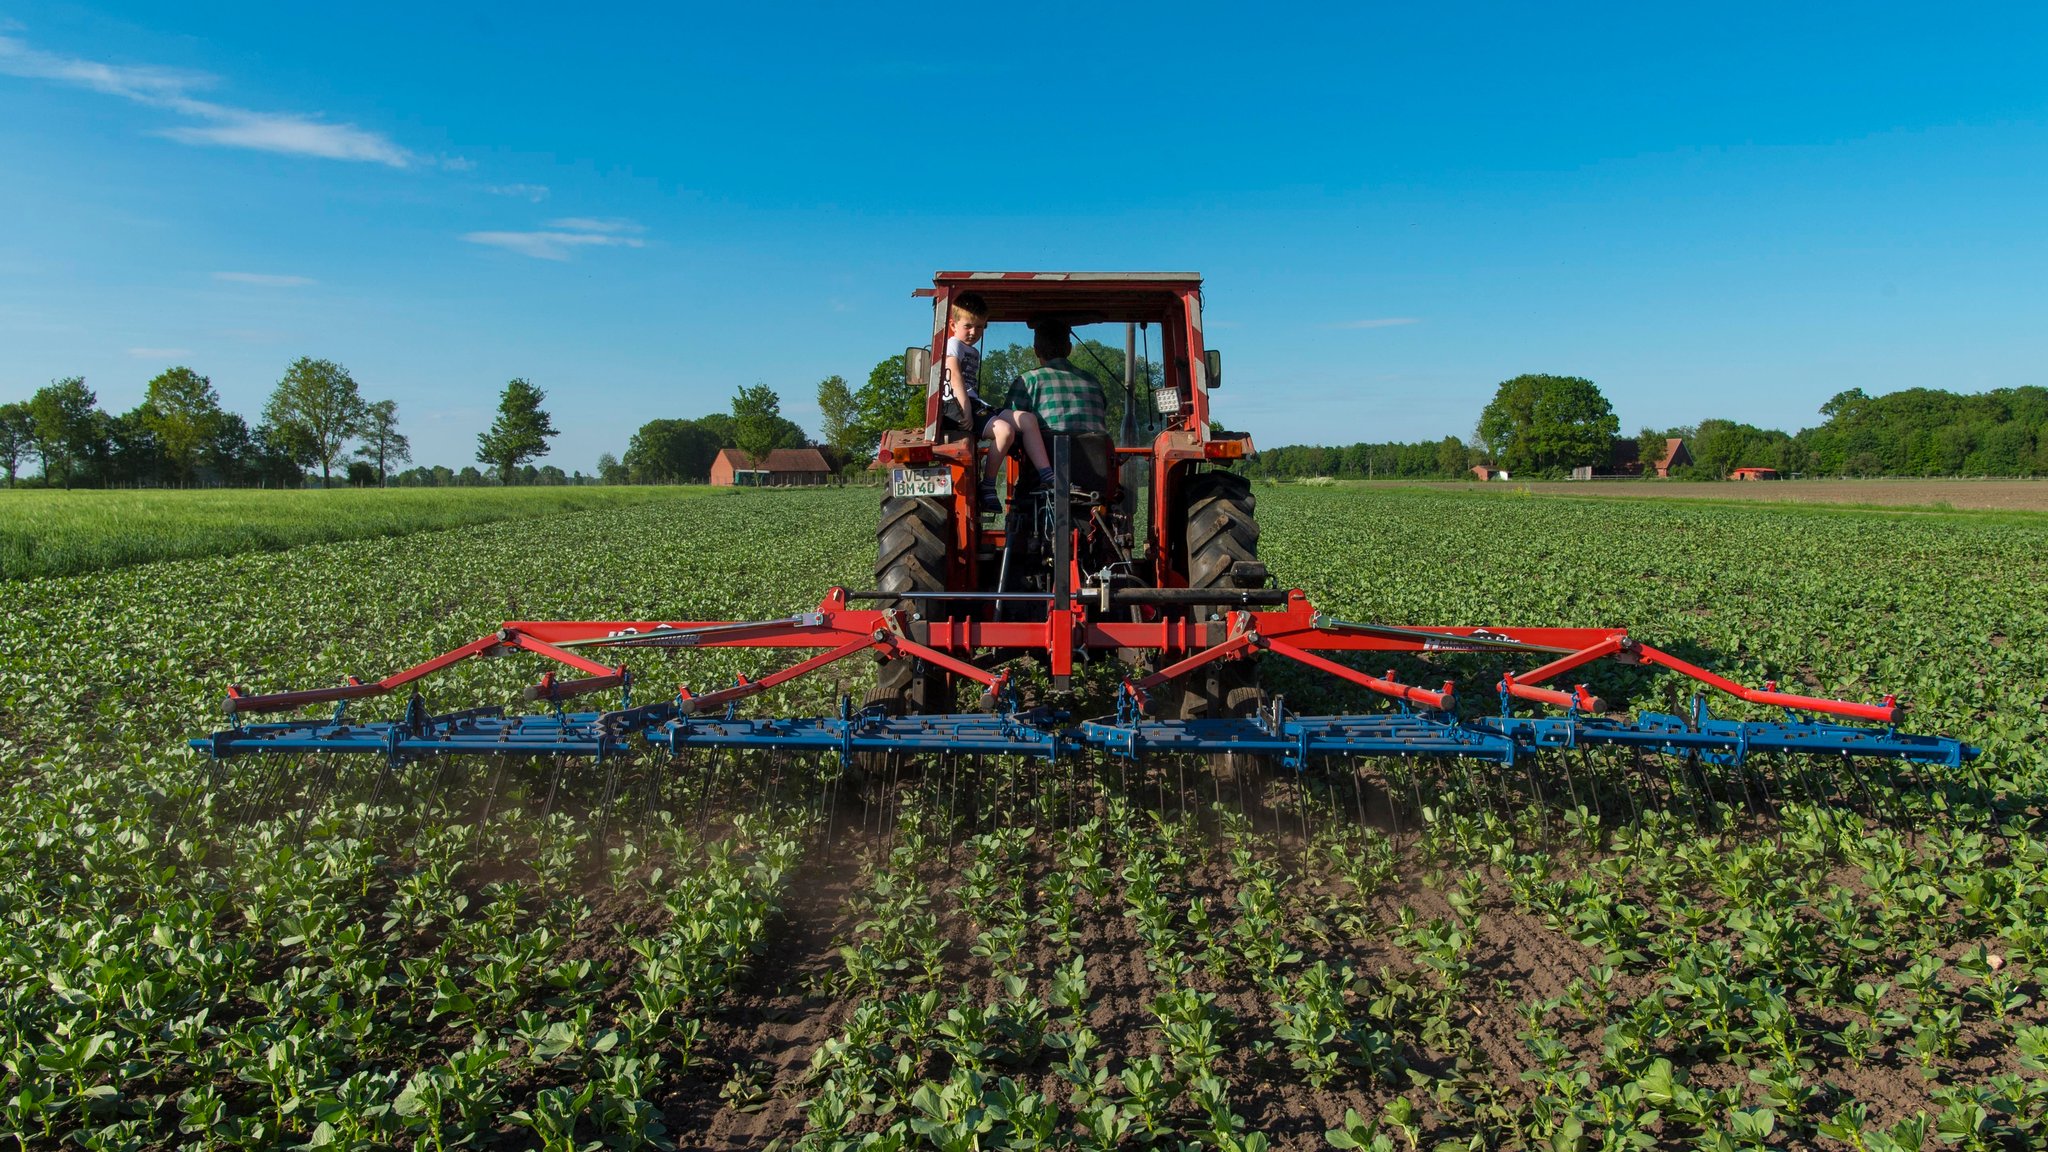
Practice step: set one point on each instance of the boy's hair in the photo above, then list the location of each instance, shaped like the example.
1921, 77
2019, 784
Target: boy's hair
1049, 339
970, 304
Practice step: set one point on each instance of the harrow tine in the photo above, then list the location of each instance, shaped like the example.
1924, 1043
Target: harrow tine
554, 787
491, 796
601, 818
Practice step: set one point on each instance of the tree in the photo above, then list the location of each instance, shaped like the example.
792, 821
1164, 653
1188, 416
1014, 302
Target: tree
722, 427
63, 416
231, 454
757, 421
609, 470
1451, 457
519, 434
318, 408
383, 444
182, 411
839, 413
17, 436
1650, 448
1541, 423
888, 401
282, 452
127, 450
672, 452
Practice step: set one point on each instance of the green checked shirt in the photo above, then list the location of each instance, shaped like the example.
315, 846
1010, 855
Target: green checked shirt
1065, 398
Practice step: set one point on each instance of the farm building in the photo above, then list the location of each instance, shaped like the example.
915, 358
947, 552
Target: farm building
1625, 458
1675, 456
784, 467
1754, 474
1489, 472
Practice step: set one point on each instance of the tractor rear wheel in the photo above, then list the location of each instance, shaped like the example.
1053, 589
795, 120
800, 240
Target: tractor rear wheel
910, 556
1222, 534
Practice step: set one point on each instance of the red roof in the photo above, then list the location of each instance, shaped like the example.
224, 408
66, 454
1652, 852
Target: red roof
1080, 297
780, 460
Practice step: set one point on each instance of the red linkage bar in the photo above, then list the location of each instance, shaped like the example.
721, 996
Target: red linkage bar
1387, 686
1563, 664
356, 689
906, 646
1577, 698
580, 663
1888, 712
1238, 642
709, 701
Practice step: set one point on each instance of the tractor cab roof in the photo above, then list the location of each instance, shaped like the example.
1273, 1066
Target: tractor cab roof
1077, 297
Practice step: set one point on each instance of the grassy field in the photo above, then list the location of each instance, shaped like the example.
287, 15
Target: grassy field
57, 533
1583, 951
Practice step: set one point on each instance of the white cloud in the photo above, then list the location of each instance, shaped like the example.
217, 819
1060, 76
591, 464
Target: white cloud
457, 163
549, 245
1381, 322
594, 224
534, 192
562, 237
159, 353
265, 279
222, 125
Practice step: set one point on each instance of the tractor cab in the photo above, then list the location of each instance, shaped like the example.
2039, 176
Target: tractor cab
1139, 334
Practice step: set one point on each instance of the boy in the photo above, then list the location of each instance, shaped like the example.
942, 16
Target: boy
964, 408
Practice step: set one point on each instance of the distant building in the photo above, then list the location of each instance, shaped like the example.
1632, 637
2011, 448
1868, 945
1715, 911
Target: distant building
1675, 456
1625, 458
784, 467
1489, 472
1754, 474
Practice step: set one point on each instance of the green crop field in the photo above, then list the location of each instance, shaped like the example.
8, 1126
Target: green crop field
57, 533
1588, 952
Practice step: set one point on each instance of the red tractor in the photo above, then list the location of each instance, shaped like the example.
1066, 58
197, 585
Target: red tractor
1153, 524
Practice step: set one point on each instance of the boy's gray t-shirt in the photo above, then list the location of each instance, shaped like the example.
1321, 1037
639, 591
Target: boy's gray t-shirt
970, 364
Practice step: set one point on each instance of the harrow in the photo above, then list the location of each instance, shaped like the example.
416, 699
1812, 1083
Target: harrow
1143, 547
1418, 722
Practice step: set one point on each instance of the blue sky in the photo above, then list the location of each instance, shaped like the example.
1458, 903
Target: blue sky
1720, 211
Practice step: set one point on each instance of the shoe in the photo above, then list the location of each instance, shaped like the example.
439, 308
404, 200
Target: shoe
991, 500
1045, 478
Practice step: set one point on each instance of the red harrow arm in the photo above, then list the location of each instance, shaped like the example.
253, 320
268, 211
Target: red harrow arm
1422, 722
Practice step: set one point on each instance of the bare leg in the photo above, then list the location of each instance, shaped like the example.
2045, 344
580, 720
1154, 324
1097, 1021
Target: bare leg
1028, 430
1004, 433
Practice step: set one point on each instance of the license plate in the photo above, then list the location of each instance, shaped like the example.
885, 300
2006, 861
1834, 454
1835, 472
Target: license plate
920, 482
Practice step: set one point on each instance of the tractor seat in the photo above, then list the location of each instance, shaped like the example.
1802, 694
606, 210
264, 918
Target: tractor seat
1091, 462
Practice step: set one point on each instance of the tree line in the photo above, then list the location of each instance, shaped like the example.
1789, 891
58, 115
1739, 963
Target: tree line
316, 419
1913, 432
1540, 426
